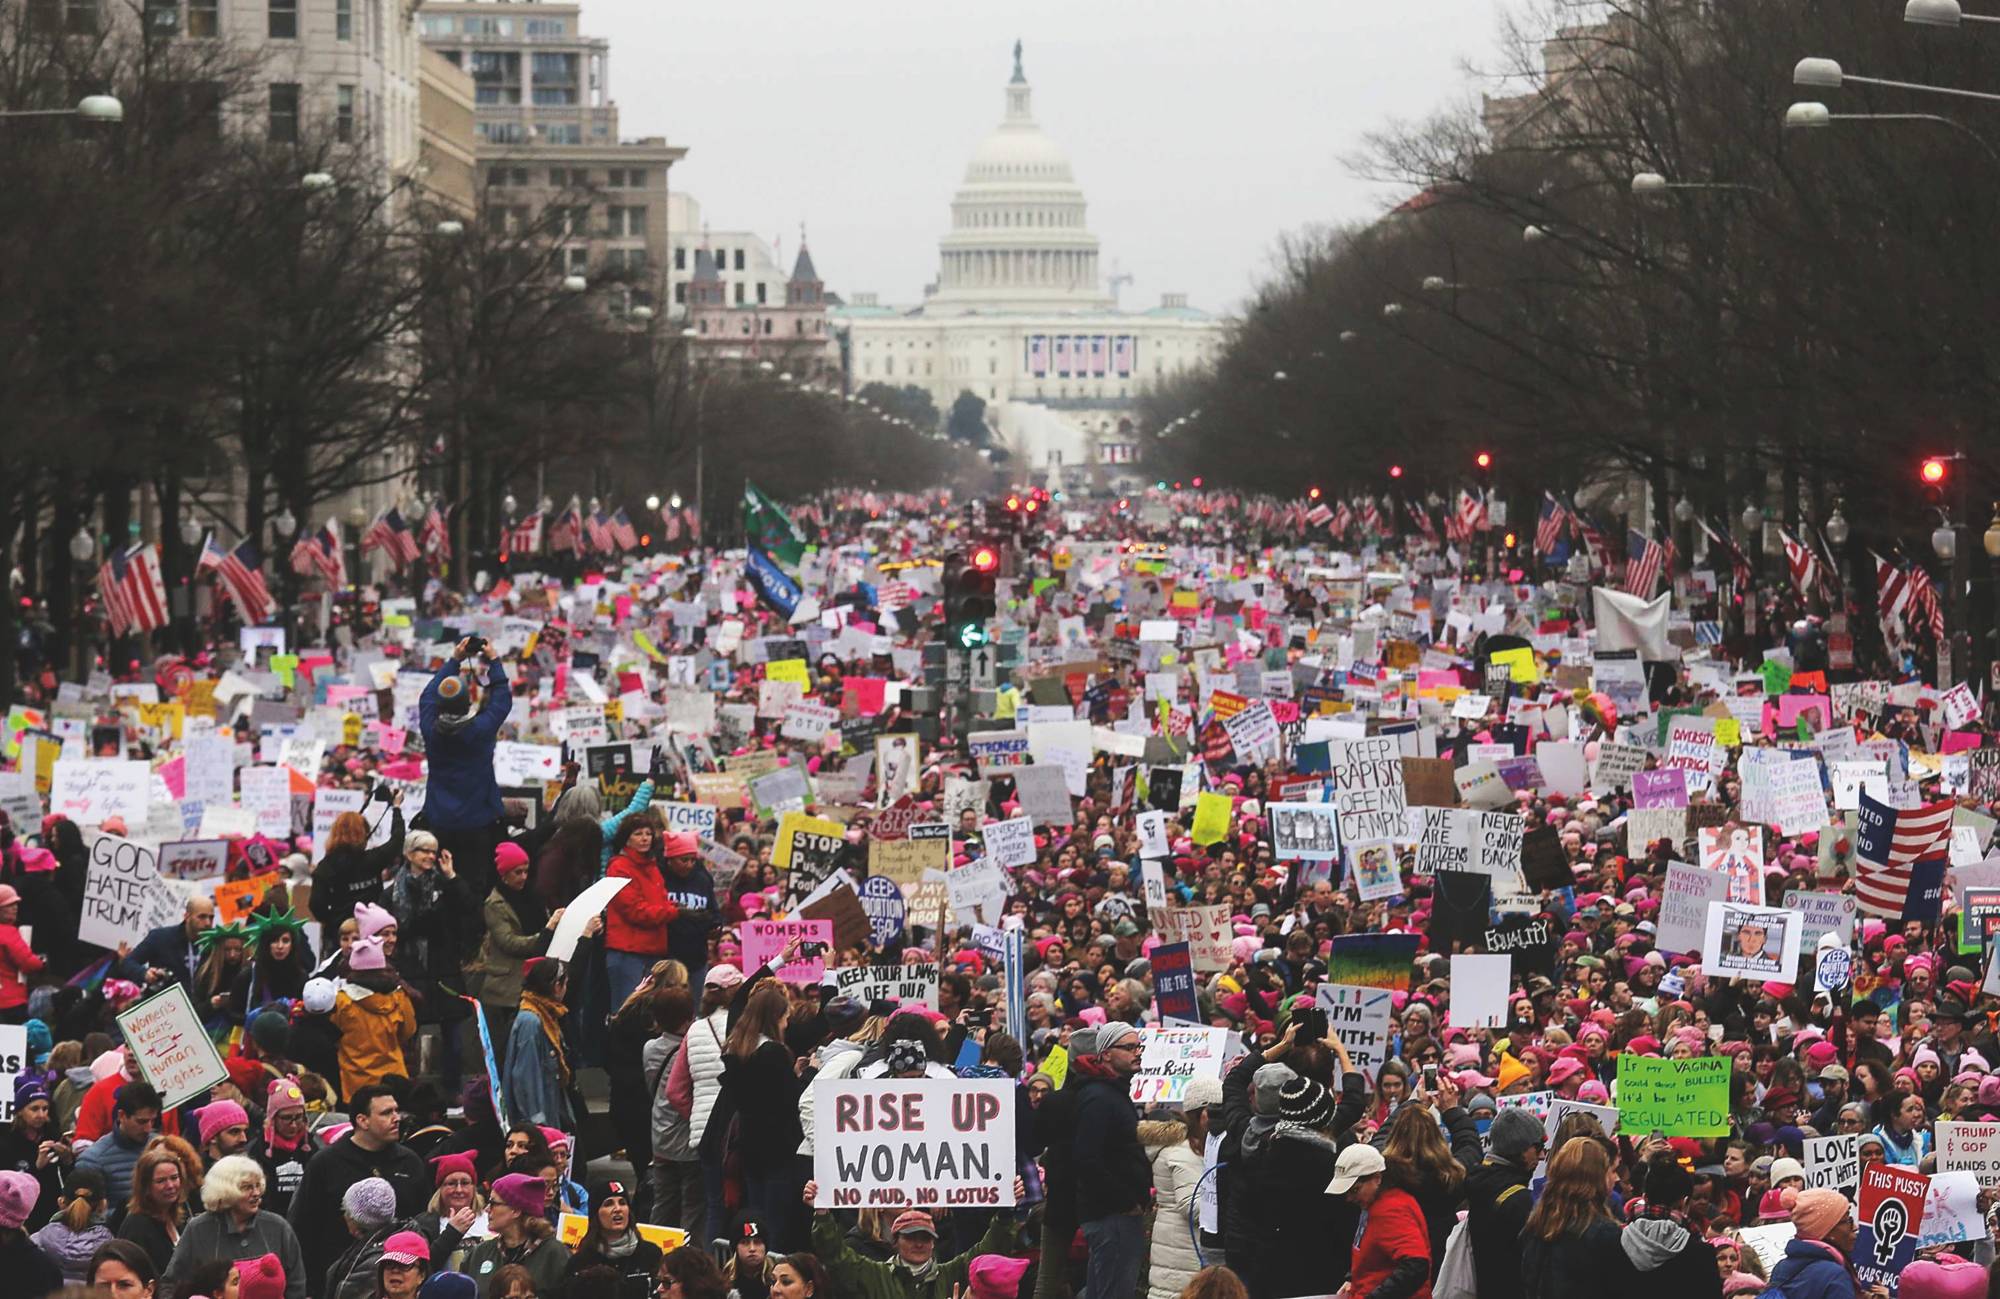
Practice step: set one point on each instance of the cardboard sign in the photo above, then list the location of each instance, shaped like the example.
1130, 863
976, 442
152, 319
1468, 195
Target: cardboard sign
89, 791
1359, 1017
170, 1046
570, 1228
806, 837
882, 902
1681, 1098
118, 891
236, 899
1172, 1056
908, 985
1480, 985
1834, 1163
1824, 913
1011, 842
1560, 1109
1206, 930
1760, 944
1683, 922
904, 861
194, 859
1970, 1148
892, 1142
1304, 831
1368, 788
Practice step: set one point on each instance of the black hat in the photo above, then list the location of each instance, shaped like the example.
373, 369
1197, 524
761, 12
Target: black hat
746, 1228
1302, 1100
604, 1190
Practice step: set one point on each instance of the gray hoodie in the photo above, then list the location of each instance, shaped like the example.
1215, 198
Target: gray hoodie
837, 1059
1652, 1243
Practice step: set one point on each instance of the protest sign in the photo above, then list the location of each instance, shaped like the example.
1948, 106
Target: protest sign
1969, 1147
1360, 1018
1833, 1163
1681, 1098
998, 751
1822, 913
889, 1142
1745, 942
807, 841
579, 913
908, 985
194, 859
1010, 842
1173, 983
1951, 1211
882, 900
90, 791
1305, 831
13, 1062
1444, 839
171, 1048
687, 818
1153, 884
1560, 1109
1372, 960
1171, 1056
905, 860
1479, 986
1368, 788
328, 806
1207, 932
1737, 853
1152, 835
1890, 1217
764, 940
978, 891
1043, 791
118, 891
236, 899
1497, 845
1683, 922
1530, 944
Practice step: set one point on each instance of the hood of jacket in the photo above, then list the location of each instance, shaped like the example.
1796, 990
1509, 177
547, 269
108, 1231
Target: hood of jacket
80, 1077
1158, 1134
837, 1048
1256, 1133
1652, 1243
72, 1250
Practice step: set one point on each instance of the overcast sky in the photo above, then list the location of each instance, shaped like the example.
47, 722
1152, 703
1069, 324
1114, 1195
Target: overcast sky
1199, 130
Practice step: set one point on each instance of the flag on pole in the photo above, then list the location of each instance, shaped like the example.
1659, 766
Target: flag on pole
1549, 525
1422, 518
524, 537
321, 554
597, 527
1471, 512
566, 533
770, 528
390, 534
435, 535
241, 573
1343, 519
1898, 849
1371, 517
1739, 563
1802, 562
1593, 540
1645, 560
622, 530
135, 596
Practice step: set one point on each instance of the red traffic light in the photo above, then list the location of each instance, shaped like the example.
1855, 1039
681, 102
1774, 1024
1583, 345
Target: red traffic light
1484, 459
1933, 470
1313, 495
1395, 471
985, 560
1197, 482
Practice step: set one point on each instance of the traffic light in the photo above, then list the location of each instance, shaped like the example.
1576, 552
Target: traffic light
1313, 495
1933, 472
969, 596
1395, 471
1484, 460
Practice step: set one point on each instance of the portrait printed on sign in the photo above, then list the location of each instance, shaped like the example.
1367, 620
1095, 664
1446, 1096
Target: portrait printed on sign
1737, 853
1308, 831
896, 767
1375, 873
1750, 942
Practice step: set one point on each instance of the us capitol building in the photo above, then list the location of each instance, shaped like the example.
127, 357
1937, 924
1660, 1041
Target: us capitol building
1019, 317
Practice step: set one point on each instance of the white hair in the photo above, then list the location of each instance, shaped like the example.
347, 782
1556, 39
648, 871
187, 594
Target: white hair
418, 841
229, 1180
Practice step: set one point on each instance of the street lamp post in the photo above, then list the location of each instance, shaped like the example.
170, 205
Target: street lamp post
91, 108
1813, 116
82, 549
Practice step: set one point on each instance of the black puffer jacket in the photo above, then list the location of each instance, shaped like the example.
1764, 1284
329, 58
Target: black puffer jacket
1587, 1264
1113, 1174
1305, 1237
1497, 1206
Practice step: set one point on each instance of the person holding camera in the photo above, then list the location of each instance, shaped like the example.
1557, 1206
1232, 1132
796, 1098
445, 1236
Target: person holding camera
462, 800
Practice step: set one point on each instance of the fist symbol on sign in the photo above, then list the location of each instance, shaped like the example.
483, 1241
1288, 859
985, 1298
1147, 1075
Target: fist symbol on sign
1890, 1223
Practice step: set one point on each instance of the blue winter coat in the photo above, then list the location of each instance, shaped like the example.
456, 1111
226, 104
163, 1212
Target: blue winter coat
462, 794
1812, 1269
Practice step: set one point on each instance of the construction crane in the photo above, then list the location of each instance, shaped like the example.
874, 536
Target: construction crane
1117, 280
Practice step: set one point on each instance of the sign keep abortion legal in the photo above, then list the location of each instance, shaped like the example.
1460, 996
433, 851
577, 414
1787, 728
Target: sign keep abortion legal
885, 1142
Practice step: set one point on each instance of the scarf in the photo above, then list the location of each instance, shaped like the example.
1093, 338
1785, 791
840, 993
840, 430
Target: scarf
918, 1274
550, 1013
529, 912
624, 1247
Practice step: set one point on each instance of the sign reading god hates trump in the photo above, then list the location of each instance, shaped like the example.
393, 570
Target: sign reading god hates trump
887, 1142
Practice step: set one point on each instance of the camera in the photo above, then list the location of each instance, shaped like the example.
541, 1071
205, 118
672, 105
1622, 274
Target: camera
981, 1017
809, 949
475, 646
1430, 1075
1312, 1024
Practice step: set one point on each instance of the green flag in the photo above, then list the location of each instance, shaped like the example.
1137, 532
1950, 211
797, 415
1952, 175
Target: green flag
769, 527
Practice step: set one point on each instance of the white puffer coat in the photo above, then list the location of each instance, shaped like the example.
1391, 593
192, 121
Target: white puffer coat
703, 1045
1176, 1174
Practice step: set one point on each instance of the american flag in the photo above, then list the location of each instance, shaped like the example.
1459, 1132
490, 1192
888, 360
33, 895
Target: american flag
135, 597
1593, 540
524, 537
1549, 525
1925, 607
622, 530
597, 528
671, 519
390, 534
435, 535
241, 572
1645, 560
1343, 519
693, 524
566, 533
1893, 847
1371, 517
1471, 512
1422, 518
895, 595
1320, 515
1803, 563
321, 554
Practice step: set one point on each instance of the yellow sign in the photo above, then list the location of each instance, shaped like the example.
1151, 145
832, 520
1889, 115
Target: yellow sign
1056, 1067
1061, 560
614, 711
350, 730
1728, 732
1520, 665
646, 646
571, 1226
163, 719
798, 823
200, 698
1211, 818
788, 670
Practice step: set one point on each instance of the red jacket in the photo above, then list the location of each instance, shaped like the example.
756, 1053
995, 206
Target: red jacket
637, 919
16, 964
1393, 1229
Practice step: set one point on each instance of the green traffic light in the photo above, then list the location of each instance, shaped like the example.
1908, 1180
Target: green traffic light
970, 634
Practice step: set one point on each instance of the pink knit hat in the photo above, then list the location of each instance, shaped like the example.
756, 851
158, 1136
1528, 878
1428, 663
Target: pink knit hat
1945, 1277
1817, 1212
220, 1117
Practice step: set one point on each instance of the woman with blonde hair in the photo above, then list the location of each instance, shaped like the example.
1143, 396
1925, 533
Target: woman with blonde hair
157, 1209
1421, 1163
454, 1207
236, 1225
1571, 1247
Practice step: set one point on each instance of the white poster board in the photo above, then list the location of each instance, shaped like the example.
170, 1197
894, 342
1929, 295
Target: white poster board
172, 1049
587, 904
1171, 1056
923, 1142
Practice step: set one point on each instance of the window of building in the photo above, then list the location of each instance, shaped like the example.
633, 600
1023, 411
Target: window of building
204, 18
502, 132
767, 326
284, 112
343, 20
562, 133
343, 114
680, 259
739, 293
575, 221
489, 26
555, 96
746, 329
761, 296
547, 27
437, 24
739, 259
558, 68
579, 260
681, 292
627, 222
635, 178
283, 23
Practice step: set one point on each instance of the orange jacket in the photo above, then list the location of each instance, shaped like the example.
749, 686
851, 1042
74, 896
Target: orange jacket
373, 1029
637, 919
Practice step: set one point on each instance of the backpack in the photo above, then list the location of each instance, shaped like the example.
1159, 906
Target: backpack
1457, 1278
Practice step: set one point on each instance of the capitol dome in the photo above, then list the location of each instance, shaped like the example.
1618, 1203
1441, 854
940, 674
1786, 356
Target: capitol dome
1018, 241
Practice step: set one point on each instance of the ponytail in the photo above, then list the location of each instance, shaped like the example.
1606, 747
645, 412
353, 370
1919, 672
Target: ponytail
77, 1214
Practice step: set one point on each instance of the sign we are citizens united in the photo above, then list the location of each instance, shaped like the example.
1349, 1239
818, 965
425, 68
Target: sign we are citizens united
884, 1142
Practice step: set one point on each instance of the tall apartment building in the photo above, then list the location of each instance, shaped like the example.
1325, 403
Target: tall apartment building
548, 134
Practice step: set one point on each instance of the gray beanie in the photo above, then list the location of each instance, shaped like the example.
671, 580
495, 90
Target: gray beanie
370, 1202
1113, 1032
1266, 1084
1513, 1131
1083, 1042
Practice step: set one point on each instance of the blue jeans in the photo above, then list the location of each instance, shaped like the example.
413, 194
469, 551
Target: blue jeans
625, 970
1117, 1247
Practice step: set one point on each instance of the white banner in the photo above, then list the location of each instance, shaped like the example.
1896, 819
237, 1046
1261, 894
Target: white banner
925, 1142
